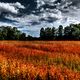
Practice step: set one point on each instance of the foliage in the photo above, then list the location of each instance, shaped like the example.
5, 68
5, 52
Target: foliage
71, 32
9, 33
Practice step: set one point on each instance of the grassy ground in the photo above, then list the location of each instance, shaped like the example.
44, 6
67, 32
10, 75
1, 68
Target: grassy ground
40, 60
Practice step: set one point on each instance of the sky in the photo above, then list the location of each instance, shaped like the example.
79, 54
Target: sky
30, 16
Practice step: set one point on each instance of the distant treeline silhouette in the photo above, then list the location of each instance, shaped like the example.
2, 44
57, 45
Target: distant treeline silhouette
11, 33
71, 32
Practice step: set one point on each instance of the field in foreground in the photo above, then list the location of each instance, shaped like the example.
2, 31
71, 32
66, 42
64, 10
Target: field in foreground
40, 60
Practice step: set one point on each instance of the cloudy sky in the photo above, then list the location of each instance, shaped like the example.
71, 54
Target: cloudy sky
30, 15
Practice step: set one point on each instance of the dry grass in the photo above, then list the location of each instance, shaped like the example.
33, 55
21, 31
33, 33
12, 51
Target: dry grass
40, 60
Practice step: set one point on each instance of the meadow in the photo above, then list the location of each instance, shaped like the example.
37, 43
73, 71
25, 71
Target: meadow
39, 60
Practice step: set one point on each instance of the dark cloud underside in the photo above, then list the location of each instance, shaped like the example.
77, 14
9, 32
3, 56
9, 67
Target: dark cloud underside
39, 13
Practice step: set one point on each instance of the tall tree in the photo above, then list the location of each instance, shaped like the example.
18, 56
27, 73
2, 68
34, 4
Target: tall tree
48, 33
60, 32
42, 33
76, 33
53, 32
23, 36
9, 33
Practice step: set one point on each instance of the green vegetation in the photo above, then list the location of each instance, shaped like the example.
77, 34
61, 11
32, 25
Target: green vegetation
71, 32
9, 33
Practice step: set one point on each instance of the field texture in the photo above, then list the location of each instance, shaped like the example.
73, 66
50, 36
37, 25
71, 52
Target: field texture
40, 60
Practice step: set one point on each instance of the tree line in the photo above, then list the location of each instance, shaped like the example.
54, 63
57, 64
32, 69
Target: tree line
11, 33
71, 32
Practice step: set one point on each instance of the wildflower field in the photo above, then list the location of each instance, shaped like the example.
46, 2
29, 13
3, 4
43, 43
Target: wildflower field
39, 60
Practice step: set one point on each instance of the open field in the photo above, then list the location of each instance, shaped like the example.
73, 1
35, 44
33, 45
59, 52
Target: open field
40, 60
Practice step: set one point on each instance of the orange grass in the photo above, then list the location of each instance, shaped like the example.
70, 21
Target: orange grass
39, 60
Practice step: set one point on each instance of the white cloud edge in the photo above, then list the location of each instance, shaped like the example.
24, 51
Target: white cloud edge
10, 7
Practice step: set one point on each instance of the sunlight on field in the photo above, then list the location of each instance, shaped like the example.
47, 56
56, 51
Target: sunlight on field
39, 60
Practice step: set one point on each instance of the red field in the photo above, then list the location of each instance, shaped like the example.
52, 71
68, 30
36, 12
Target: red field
40, 60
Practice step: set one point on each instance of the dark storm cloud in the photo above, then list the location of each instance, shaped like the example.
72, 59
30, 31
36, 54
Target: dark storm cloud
33, 23
57, 1
29, 4
7, 20
40, 13
49, 19
51, 4
75, 2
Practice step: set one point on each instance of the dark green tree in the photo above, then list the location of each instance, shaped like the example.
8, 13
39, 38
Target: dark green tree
76, 33
72, 32
48, 33
11, 33
60, 32
53, 32
17, 33
67, 32
3, 33
23, 36
42, 33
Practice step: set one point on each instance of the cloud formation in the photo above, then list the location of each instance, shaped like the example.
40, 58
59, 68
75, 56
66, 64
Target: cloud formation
48, 13
10, 7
